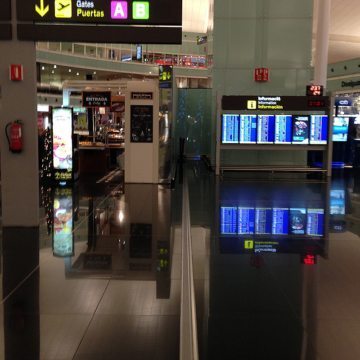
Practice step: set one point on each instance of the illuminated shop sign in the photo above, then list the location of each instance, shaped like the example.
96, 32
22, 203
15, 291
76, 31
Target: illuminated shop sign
96, 99
350, 83
62, 144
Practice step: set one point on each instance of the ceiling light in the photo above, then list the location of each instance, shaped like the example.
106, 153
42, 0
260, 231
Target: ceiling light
43, 68
94, 72
55, 66
69, 70
52, 71
77, 74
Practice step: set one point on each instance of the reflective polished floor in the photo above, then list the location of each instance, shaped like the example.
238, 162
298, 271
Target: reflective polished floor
276, 267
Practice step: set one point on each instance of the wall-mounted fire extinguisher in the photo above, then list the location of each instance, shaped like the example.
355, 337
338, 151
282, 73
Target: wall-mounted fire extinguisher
15, 137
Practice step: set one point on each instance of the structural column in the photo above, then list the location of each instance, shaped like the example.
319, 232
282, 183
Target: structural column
19, 171
322, 42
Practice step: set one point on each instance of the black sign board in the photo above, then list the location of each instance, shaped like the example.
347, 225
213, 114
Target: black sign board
117, 12
141, 95
141, 123
96, 99
5, 11
5, 32
276, 103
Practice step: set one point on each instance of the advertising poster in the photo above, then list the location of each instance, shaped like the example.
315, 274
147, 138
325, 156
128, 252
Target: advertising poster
300, 130
63, 242
142, 123
62, 144
340, 129
297, 221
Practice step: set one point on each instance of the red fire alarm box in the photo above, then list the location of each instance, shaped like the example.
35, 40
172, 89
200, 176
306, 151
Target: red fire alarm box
261, 74
16, 72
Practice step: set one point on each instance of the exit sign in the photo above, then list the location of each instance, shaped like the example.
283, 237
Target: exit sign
261, 74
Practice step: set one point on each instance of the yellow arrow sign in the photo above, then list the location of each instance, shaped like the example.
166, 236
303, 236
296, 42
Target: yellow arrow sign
41, 10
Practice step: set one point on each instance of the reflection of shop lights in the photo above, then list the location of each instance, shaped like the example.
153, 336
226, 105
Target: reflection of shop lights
121, 216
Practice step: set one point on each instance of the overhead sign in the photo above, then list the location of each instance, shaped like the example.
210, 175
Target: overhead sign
96, 99
350, 83
5, 10
99, 21
123, 12
276, 103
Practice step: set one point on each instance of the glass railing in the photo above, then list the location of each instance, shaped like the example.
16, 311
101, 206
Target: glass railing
127, 53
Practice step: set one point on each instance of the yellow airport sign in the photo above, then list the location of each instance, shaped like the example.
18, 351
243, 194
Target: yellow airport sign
249, 244
252, 104
63, 9
42, 10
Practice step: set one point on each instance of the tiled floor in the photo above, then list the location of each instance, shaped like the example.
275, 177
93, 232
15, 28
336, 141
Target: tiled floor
110, 287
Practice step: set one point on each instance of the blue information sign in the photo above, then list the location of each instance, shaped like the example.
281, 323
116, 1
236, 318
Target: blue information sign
248, 129
228, 220
280, 221
246, 220
263, 221
266, 129
315, 222
319, 129
283, 128
230, 129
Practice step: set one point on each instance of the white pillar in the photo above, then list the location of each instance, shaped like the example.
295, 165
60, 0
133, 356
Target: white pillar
322, 42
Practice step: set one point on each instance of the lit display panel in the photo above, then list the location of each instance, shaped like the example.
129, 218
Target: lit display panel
283, 129
230, 129
266, 129
315, 222
340, 129
228, 220
246, 220
319, 129
263, 221
297, 223
248, 125
280, 221
300, 133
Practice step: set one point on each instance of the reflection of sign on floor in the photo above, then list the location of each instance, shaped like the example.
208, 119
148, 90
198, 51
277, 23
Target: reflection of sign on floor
97, 261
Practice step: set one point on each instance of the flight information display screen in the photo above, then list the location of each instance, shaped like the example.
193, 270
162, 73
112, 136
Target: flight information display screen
263, 220
228, 220
280, 221
297, 221
283, 129
319, 129
315, 222
246, 220
300, 133
230, 129
248, 124
266, 129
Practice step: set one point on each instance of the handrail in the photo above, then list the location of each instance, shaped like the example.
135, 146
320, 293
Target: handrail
188, 324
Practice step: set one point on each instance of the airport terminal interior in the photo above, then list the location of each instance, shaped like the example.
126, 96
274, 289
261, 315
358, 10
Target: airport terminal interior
190, 191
